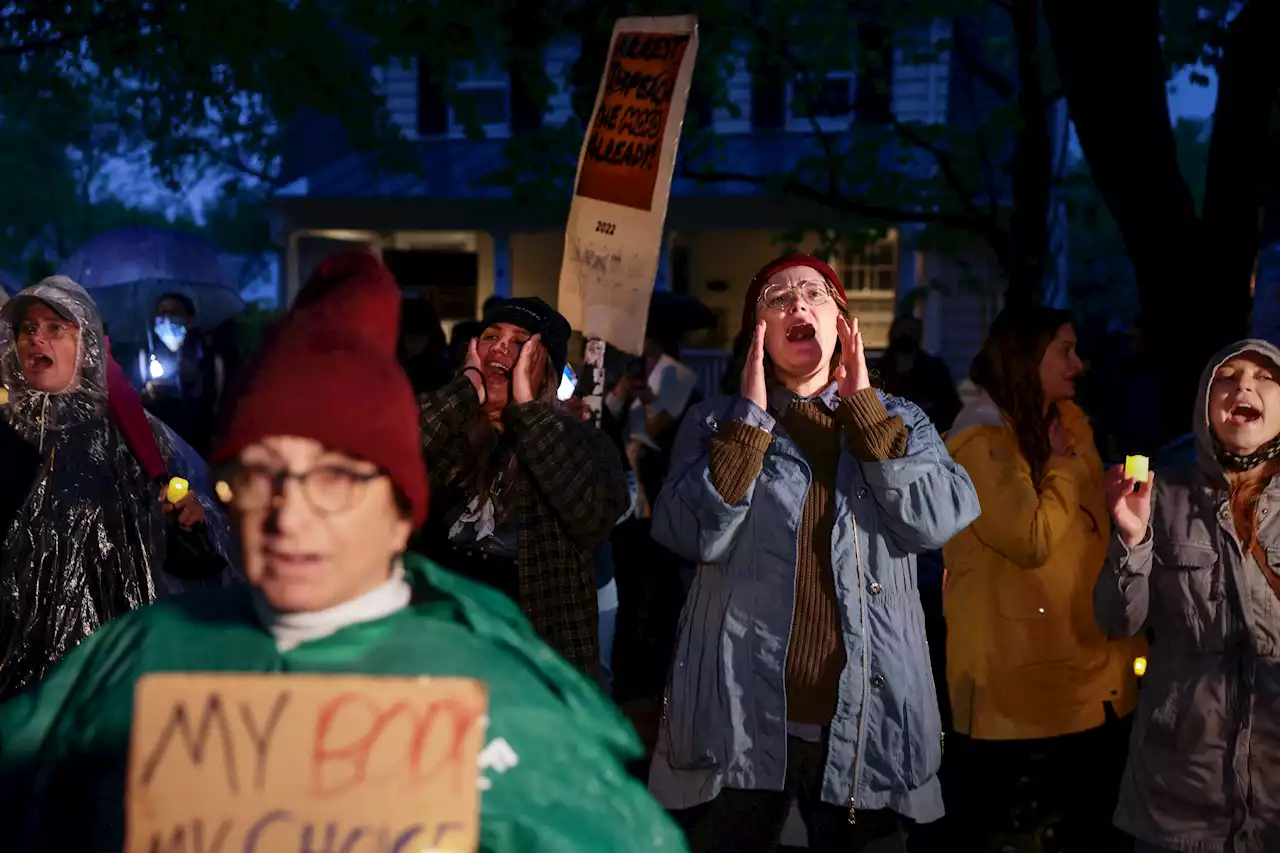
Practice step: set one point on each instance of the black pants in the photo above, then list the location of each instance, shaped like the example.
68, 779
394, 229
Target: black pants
752, 821
988, 784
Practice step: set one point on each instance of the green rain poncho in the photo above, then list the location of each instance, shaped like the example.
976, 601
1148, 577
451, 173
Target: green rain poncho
64, 743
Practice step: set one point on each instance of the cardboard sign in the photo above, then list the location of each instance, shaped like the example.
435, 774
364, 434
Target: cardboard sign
615, 231
257, 763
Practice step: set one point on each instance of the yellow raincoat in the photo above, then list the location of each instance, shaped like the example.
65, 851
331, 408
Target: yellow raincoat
1025, 657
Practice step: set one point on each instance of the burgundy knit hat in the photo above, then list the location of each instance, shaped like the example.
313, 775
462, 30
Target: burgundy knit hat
329, 372
795, 259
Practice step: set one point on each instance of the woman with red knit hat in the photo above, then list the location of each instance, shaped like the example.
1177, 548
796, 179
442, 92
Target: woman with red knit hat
525, 491
801, 669
323, 471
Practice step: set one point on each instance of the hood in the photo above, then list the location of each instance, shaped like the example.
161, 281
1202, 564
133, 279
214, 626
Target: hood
35, 412
1205, 455
982, 411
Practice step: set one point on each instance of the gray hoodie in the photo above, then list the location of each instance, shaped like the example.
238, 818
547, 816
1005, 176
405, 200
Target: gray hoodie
1204, 762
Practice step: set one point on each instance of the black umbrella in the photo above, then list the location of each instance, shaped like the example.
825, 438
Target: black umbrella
679, 313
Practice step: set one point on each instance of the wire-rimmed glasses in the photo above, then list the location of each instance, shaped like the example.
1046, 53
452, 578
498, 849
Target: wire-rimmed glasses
780, 297
329, 489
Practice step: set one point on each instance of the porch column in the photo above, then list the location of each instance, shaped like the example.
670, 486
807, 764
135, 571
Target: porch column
501, 264
663, 279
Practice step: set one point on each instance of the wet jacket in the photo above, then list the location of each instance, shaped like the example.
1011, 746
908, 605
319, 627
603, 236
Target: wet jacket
64, 745
1025, 657
725, 720
87, 540
1204, 761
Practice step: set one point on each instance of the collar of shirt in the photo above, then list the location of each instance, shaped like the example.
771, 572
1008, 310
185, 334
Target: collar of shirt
781, 397
291, 630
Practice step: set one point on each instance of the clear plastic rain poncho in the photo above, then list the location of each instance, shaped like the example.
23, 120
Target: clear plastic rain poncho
88, 542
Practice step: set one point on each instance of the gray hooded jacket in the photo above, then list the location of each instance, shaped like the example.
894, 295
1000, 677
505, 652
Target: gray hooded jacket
1204, 762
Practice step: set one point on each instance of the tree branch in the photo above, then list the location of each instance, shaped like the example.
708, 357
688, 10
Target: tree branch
231, 160
106, 22
837, 201
974, 65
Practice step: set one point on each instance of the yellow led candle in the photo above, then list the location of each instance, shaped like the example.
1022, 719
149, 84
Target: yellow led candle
1136, 468
178, 489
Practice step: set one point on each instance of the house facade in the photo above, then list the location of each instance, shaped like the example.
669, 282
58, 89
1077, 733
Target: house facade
448, 232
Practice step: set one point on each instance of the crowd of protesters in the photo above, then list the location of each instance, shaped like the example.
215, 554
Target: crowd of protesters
850, 593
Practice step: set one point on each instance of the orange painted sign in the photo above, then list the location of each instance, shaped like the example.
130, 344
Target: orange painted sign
257, 763
617, 219
620, 163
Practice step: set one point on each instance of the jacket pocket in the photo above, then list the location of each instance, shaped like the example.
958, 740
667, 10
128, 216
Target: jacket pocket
697, 731
1034, 627
923, 735
1188, 588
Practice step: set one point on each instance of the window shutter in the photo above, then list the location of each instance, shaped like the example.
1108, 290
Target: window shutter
433, 108
700, 108
873, 86
768, 96
527, 107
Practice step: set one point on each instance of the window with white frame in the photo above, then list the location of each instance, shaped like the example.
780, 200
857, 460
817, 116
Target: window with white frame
873, 268
481, 96
825, 100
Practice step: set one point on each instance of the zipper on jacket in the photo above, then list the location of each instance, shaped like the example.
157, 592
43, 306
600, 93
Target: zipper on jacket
791, 624
862, 712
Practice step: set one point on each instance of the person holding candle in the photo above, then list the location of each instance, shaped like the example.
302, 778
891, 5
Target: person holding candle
87, 538
324, 498
1029, 672
1195, 560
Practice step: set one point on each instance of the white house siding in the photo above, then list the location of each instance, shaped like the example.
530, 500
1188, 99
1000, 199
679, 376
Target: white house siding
920, 88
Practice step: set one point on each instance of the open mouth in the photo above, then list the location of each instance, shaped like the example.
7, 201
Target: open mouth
496, 370
1243, 414
801, 331
39, 362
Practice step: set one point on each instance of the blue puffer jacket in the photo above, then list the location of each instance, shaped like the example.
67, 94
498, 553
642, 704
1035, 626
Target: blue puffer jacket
725, 722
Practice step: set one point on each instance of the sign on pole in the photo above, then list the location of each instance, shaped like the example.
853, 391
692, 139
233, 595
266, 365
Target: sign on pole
614, 234
305, 762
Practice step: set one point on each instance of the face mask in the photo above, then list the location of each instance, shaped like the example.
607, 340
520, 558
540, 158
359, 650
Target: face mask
171, 332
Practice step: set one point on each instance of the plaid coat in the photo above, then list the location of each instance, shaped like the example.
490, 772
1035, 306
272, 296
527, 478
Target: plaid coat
570, 490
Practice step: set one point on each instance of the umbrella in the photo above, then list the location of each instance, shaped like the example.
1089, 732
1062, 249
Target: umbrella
128, 269
679, 312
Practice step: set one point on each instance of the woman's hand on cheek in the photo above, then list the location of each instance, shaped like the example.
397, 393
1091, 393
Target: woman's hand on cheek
753, 385
852, 373
474, 370
528, 371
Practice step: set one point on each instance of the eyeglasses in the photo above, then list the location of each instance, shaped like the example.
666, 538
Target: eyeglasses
50, 330
329, 489
780, 297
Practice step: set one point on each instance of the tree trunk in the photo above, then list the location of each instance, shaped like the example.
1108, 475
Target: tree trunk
1032, 165
1193, 272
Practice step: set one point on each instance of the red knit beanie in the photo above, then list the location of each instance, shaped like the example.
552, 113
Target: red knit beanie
329, 372
796, 259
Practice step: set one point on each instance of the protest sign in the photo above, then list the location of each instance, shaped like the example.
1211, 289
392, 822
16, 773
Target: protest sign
614, 235
257, 763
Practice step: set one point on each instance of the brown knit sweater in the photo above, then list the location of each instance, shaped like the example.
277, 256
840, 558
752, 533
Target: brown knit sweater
815, 654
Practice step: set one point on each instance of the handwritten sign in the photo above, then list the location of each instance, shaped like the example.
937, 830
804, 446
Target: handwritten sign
257, 763
615, 229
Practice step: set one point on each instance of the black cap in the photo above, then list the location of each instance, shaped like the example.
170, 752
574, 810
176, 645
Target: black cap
537, 318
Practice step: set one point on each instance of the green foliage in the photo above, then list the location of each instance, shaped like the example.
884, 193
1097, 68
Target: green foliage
206, 84
203, 82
